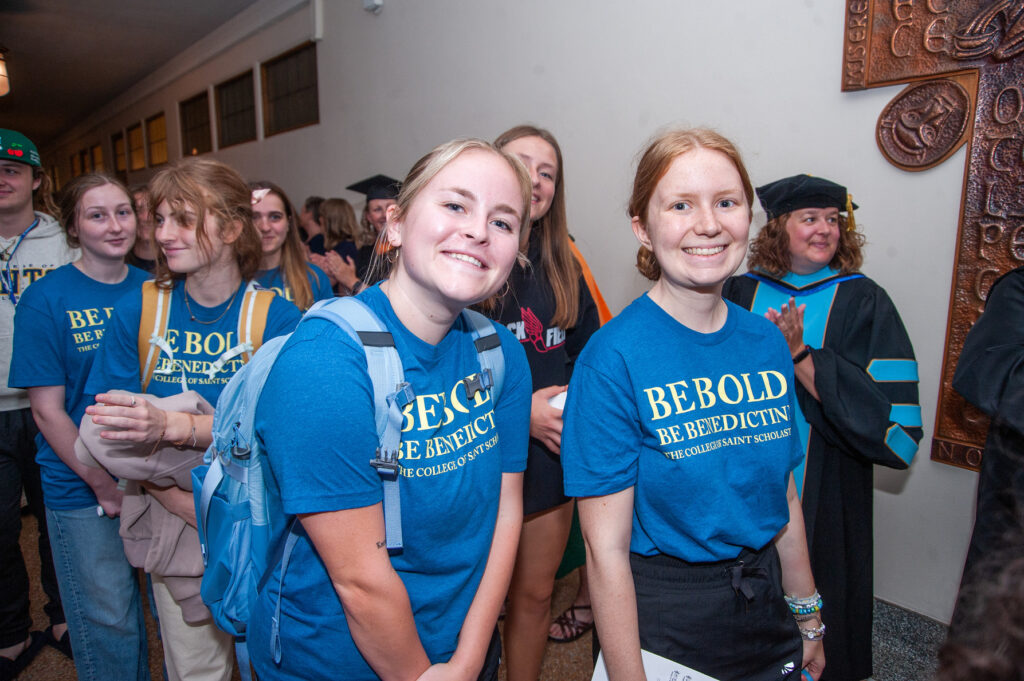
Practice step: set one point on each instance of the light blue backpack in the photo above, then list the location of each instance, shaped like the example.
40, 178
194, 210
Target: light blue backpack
238, 505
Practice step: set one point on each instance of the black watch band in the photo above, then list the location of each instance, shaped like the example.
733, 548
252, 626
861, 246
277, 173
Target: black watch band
800, 356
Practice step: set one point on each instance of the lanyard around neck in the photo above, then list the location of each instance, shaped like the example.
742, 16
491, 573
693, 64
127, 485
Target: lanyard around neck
8, 280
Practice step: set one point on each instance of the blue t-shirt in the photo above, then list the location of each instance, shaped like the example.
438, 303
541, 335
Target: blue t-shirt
316, 420
195, 345
57, 329
701, 425
319, 284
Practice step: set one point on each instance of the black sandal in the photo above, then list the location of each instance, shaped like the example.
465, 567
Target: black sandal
62, 644
9, 669
571, 628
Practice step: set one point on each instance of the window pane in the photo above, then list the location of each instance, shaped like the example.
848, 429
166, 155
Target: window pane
120, 165
136, 151
236, 111
97, 157
195, 125
156, 136
290, 91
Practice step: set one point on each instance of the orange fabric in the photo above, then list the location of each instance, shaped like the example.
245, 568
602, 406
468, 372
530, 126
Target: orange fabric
603, 313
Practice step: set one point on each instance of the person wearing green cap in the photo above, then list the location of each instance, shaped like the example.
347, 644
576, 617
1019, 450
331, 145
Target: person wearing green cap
31, 245
856, 389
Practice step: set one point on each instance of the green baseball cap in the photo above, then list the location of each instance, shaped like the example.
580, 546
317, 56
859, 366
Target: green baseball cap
16, 147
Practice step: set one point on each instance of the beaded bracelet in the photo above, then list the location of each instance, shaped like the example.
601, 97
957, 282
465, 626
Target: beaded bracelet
813, 634
805, 606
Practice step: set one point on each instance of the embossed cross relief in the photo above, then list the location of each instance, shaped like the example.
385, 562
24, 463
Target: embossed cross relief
964, 60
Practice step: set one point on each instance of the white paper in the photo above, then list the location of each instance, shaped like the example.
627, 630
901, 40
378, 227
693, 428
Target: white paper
657, 668
558, 401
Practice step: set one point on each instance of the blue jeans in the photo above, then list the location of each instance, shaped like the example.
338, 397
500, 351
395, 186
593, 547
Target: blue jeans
101, 596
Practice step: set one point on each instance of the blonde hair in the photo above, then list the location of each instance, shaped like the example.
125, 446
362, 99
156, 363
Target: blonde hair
556, 258
653, 165
425, 170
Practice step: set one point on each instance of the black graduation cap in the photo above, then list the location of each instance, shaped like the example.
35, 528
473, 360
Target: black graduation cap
803, 191
377, 187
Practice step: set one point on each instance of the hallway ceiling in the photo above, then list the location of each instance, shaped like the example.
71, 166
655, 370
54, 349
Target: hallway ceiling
67, 58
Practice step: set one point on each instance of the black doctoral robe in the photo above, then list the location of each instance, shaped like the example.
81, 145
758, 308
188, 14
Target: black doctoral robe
990, 375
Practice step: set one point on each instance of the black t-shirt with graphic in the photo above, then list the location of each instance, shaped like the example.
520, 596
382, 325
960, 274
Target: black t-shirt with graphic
526, 310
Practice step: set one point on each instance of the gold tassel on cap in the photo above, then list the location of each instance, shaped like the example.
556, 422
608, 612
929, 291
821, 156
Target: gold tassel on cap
851, 223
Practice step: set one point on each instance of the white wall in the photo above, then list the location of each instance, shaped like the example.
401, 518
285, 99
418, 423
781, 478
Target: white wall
604, 77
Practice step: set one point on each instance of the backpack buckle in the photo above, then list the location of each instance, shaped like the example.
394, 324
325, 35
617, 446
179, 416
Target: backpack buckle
386, 462
404, 394
480, 382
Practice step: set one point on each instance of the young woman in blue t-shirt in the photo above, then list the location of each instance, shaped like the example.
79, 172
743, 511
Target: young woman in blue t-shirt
209, 252
58, 325
283, 266
348, 609
680, 442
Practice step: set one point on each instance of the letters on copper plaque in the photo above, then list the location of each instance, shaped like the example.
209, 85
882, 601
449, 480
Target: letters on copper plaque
964, 62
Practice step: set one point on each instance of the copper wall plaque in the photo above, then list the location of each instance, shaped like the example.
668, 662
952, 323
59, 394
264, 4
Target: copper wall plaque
964, 60
924, 124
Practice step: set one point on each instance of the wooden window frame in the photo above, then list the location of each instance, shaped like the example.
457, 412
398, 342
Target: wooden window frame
150, 142
186, 133
142, 147
218, 97
268, 105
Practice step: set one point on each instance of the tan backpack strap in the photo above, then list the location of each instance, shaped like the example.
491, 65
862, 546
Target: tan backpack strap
252, 318
156, 311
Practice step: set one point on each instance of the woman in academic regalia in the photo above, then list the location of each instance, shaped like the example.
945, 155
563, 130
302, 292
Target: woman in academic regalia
856, 386
381, 193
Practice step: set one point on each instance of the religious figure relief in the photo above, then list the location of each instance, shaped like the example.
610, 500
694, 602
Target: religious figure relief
924, 124
964, 63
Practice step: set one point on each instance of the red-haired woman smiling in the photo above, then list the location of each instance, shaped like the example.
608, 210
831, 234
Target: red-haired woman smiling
679, 443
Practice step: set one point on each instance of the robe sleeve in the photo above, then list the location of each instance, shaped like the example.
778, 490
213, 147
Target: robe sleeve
993, 355
867, 381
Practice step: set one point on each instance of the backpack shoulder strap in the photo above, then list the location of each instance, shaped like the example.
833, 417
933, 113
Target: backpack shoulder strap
390, 395
488, 350
252, 318
156, 310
